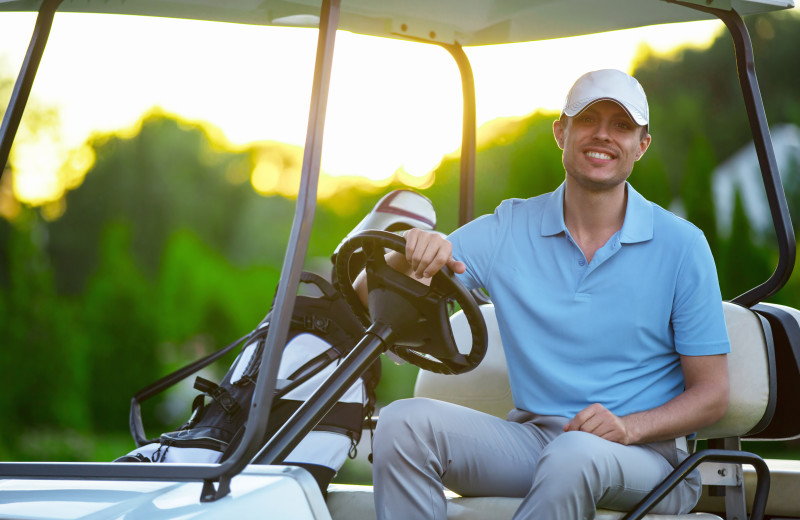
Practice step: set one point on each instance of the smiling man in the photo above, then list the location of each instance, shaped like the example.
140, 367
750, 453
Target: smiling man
611, 318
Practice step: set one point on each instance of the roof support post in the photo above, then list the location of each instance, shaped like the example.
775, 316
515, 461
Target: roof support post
745, 65
27, 73
766, 158
466, 206
295, 252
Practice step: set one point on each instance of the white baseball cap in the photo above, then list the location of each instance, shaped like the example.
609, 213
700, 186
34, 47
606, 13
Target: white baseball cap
612, 85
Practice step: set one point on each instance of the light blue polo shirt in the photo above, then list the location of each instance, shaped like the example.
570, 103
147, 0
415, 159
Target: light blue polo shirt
609, 331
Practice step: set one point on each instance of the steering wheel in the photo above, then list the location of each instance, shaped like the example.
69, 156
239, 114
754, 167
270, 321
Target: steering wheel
416, 315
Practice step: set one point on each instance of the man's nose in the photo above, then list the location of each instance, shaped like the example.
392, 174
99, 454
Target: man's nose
601, 131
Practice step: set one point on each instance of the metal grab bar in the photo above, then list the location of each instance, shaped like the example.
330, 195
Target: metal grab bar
686, 467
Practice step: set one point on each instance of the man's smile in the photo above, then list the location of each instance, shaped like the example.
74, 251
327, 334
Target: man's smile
598, 155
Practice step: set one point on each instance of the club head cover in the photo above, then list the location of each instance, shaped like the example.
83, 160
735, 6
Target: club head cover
396, 211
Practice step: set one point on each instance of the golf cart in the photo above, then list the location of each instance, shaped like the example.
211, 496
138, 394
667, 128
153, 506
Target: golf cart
763, 366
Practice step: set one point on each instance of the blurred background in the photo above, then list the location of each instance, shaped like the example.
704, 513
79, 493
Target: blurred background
147, 204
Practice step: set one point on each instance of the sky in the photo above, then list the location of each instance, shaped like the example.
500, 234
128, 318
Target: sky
393, 105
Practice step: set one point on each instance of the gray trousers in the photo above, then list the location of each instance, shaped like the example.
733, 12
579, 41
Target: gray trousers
422, 445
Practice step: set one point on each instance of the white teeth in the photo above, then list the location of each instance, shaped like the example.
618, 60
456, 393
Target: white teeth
598, 155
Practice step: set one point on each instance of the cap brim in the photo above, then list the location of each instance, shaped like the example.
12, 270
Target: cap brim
576, 108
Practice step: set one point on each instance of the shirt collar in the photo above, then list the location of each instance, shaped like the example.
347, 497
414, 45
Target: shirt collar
553, 217
638, 225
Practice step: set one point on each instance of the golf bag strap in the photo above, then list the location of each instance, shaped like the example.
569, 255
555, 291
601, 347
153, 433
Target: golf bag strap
218, 394
308, 370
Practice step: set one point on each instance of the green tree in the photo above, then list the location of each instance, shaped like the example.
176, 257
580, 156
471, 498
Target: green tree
117, 313
696, 189
708, 100
164, 178
744, 263
42, 353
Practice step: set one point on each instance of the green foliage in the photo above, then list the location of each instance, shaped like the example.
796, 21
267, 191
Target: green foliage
117, 313
199, 291
744, 262
41, 357
519, 160
166, 177
696, 188
696, 105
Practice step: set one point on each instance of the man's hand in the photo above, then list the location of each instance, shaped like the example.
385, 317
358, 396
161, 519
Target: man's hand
427, 252
597, 420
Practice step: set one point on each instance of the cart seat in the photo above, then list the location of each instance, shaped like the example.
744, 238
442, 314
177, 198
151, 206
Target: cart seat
486, 388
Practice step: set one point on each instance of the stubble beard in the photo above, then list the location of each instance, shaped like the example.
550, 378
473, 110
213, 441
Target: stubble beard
593, 185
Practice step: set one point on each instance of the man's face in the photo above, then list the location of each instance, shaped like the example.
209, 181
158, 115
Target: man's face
600, 145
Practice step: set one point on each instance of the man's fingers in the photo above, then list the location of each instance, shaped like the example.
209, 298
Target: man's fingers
421, 257
598, 420
417, 245
592, 425
412, 237
439, 259
578, 423
456, 266
426, 253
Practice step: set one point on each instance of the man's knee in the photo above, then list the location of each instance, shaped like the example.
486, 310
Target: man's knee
406, 414
573, 458
403, 425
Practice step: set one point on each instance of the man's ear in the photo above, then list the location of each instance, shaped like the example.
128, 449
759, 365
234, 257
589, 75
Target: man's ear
644, 144
558, 133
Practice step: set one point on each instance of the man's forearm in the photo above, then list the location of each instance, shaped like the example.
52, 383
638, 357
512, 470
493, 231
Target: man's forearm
702, 403
687, 413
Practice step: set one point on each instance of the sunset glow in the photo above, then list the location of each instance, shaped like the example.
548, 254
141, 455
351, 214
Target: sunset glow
394, 108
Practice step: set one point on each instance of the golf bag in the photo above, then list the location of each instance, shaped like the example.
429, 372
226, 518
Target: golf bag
323, 330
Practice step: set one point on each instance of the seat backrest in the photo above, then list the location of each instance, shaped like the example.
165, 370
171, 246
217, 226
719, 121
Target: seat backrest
785, 324
751, 373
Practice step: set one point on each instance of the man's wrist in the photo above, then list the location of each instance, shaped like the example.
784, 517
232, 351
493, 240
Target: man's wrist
631, 427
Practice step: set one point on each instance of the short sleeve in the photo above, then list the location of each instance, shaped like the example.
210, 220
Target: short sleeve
477, 242
698, 319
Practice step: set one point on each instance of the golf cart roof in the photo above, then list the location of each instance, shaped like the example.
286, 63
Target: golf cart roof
466, 22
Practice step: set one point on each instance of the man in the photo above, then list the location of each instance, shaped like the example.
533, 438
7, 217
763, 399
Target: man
612, 323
